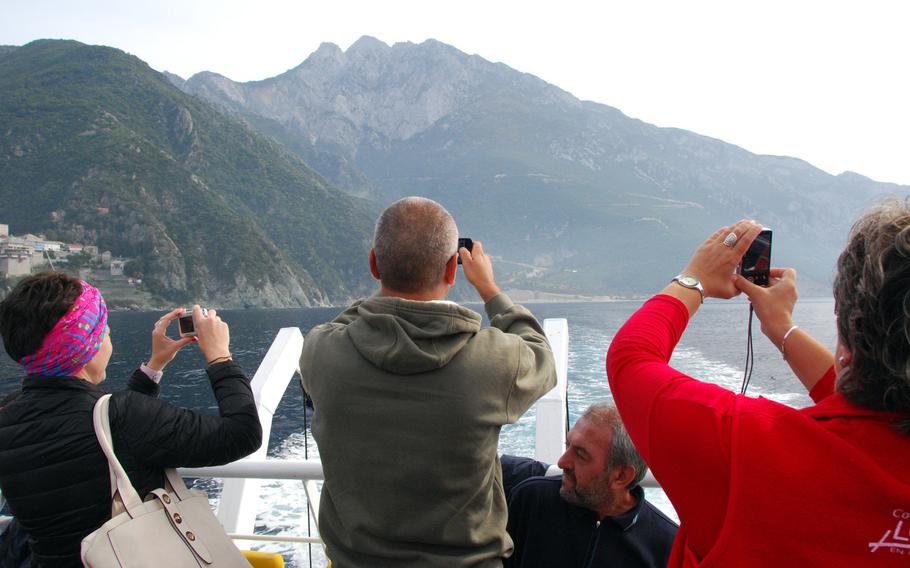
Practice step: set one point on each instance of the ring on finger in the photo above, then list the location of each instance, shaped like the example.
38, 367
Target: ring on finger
730, 239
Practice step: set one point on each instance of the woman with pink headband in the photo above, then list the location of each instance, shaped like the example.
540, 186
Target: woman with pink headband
52, 471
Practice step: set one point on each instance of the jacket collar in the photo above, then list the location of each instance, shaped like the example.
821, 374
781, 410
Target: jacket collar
627, 520
44, 382
836, 406
624, 521
407, 337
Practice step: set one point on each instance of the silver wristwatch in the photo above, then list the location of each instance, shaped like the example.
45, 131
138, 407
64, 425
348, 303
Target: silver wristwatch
691, 283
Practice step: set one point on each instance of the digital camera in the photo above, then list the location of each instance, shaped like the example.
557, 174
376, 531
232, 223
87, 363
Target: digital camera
187, 327
756, 263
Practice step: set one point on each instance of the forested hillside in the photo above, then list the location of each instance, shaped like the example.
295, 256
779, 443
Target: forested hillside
98, 148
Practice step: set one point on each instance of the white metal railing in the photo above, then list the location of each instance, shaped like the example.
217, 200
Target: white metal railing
550, 427
306, 471
263, 469
240, 496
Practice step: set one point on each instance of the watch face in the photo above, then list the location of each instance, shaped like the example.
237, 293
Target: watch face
689, 281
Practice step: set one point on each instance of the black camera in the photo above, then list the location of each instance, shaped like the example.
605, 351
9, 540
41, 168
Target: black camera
756, 263
187, 327
466, 243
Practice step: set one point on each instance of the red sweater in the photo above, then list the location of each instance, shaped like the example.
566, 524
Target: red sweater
755, 482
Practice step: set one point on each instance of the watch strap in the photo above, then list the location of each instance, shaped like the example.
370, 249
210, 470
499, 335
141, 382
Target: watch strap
696, 286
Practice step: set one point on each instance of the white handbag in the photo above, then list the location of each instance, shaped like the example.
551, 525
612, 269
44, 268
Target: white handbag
174, 528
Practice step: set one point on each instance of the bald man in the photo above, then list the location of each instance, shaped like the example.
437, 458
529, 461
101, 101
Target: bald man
410, 394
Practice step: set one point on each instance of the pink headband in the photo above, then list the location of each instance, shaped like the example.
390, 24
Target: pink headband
74, 340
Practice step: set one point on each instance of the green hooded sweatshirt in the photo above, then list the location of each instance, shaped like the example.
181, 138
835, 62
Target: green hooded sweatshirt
409, 399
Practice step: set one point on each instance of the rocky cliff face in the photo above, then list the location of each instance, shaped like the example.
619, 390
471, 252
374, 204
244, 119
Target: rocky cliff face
366, 95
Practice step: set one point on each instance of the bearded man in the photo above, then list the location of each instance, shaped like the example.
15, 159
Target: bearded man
596, 513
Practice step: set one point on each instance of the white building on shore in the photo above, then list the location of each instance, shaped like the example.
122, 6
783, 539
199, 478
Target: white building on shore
117, 267
15, 259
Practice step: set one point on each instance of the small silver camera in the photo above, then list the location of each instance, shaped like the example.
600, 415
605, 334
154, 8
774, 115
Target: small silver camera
187, 327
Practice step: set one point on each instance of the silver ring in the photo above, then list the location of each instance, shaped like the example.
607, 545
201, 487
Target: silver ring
730, 240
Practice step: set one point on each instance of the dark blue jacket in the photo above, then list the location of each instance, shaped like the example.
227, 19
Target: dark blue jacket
14, 549
550, 533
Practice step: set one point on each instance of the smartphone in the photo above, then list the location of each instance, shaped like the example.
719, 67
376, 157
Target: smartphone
756, 263
466, 243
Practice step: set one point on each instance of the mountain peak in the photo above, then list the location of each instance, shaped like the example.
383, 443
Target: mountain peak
328, 54
327, 49
207, 76
367, 44
56, 42
437, 45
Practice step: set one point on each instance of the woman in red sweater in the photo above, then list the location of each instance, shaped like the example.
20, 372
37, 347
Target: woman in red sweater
755, 482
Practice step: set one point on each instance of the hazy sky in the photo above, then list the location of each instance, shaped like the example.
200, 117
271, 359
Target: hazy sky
825, 81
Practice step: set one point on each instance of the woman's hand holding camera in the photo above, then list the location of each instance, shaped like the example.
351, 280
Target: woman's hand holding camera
714, 262
163, 347
773, 304
213, 334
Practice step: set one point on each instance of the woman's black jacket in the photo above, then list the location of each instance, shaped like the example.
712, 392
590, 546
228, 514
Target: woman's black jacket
52, 471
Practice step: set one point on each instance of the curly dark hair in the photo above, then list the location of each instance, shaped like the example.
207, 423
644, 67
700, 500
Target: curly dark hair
31, 310
872, 302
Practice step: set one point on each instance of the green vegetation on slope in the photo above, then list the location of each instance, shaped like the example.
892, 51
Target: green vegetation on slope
98, 148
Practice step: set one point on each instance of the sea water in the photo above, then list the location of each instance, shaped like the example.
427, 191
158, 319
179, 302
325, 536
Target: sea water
713, 349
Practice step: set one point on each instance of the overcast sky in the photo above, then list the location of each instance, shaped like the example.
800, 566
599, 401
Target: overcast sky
825, 81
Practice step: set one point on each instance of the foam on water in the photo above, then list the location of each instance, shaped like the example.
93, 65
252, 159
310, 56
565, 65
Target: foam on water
284, 510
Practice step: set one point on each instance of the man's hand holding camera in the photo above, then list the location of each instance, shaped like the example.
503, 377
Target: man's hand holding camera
478, 269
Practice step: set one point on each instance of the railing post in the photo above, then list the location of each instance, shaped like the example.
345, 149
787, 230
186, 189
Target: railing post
240, 497
551, 408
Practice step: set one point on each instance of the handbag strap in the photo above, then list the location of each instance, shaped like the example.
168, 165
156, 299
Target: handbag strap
120, 481
176, 483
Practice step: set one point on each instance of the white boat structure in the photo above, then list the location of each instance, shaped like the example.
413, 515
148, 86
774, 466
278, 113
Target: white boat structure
243, 479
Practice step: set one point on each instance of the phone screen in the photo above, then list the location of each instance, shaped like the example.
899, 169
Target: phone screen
756, 263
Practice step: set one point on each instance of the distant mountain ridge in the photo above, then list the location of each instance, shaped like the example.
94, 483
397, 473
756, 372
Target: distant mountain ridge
573, 196
98, 148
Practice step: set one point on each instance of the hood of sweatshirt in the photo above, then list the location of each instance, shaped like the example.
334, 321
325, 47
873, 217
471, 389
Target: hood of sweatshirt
407, 337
